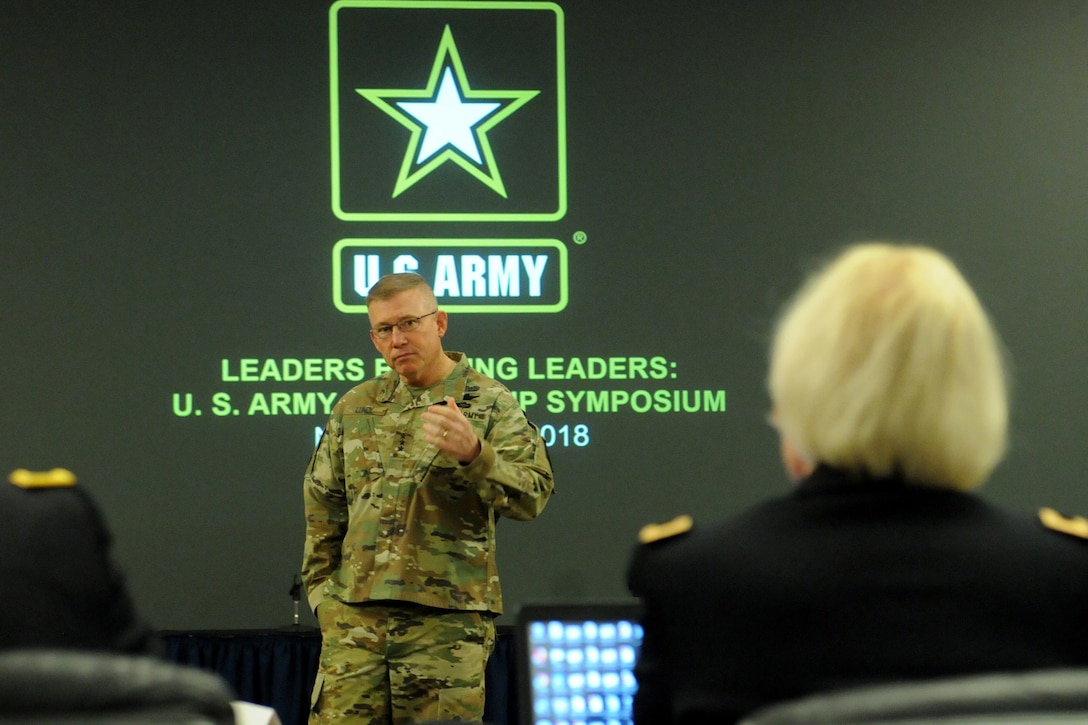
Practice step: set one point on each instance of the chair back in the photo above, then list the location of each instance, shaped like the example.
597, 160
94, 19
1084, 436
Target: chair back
62, 687
1029, 698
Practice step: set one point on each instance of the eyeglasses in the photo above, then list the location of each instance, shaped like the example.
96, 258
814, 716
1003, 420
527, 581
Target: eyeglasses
409, 325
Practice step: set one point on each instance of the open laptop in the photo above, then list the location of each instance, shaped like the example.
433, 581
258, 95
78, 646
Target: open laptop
576, 663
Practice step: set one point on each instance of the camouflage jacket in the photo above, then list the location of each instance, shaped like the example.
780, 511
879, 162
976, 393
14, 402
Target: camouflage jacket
390, 517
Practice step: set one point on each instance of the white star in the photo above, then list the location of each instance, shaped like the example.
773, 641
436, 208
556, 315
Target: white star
449, 120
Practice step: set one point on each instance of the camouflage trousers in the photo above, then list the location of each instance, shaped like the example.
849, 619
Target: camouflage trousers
397, 663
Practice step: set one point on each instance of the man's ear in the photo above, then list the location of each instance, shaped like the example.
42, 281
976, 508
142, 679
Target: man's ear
441, 321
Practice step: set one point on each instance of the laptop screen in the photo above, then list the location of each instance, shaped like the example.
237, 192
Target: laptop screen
576, 663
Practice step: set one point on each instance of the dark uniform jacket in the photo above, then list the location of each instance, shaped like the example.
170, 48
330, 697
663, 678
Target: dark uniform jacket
847, 582
60, 586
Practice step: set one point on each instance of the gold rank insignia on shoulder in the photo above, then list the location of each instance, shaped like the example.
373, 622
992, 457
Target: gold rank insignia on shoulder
1074, 526
57, 478
650, 533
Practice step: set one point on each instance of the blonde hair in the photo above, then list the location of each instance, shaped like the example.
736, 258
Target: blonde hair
886, 363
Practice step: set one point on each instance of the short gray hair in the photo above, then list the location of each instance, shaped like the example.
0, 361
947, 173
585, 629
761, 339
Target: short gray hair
393, 284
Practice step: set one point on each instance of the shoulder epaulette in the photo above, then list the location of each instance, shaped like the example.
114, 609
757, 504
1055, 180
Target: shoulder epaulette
650, 533
1072, 525
57, 478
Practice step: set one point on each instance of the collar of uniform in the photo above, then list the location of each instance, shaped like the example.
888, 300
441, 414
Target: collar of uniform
825, 479
453, 384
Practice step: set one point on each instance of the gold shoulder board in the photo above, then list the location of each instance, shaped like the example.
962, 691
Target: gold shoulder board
1074, 526
57, 478
656, 532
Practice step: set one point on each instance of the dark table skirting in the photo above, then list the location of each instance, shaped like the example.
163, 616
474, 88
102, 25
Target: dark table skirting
277, 667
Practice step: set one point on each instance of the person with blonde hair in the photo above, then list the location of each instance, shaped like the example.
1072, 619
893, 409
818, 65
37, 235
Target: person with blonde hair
886, 362
889, 395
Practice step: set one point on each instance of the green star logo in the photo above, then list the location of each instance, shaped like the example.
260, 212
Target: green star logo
474, 131
449, 120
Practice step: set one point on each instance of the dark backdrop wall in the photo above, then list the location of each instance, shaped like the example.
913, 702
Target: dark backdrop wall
167, 212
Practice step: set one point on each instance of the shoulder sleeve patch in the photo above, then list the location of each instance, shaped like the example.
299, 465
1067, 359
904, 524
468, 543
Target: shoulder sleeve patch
1074, 526
57, 478
656, 532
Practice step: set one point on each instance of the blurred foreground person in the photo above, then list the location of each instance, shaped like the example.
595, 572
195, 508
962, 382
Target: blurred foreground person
889, 397
62, 589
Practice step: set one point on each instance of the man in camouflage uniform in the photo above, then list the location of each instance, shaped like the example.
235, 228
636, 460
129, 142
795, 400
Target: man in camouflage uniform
402, 496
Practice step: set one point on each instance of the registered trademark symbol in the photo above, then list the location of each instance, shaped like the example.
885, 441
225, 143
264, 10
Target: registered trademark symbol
581, 237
